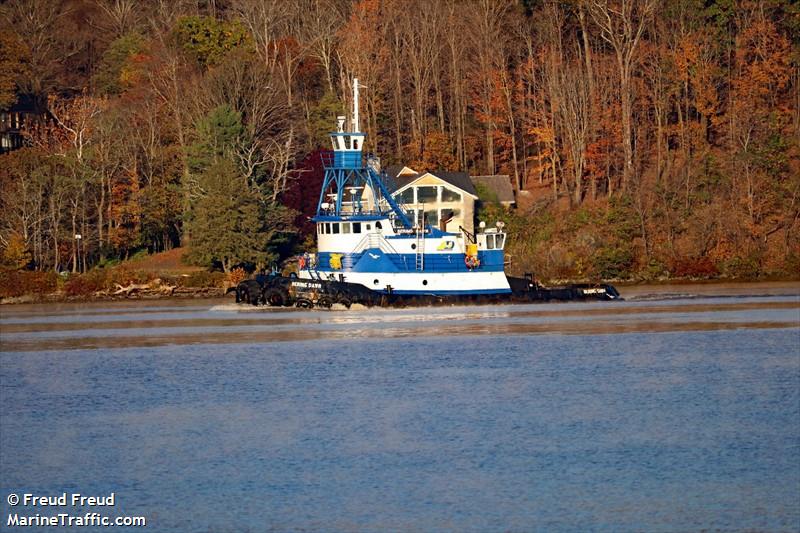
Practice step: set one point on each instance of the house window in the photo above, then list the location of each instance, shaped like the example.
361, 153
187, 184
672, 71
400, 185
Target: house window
407, 196
450, 195
426, 195
444, 213
432, 217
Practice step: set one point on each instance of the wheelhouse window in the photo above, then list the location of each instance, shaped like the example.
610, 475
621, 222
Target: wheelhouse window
489, 241
345, 227
500, 240
356, 227
335, 227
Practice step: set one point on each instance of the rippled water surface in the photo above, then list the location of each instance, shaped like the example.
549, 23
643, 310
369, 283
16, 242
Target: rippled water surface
675, 410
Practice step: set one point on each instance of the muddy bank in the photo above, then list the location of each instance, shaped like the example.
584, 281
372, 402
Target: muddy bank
178, 294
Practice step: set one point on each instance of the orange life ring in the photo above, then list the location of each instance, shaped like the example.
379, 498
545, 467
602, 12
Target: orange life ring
301, 262
472, 261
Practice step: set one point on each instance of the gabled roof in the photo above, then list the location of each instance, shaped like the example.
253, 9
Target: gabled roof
393, 171
401, 179
499, 184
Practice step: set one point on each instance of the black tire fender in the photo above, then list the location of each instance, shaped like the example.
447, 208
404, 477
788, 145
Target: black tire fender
275, 297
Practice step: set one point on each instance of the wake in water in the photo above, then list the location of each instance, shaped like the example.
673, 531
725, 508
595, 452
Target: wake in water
247, 308
655, 297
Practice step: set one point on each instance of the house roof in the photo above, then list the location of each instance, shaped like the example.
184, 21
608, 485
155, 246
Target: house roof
395, 170
499, 184
400, 180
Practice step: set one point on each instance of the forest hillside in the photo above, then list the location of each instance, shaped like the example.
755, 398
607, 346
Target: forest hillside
644, 139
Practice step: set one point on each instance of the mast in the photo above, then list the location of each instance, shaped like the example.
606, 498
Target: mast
347, 178
356, 126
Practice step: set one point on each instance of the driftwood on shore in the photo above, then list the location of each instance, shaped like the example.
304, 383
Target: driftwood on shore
154, 287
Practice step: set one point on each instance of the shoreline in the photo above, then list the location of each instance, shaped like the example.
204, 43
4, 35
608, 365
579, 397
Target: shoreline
56, 298
627, 288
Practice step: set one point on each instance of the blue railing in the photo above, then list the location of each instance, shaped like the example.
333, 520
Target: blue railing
339, 159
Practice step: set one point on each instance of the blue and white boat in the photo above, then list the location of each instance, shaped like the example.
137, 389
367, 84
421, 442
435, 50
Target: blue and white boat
366, 236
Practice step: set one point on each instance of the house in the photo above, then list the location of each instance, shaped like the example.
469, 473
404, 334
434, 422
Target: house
442, 199
12, 122
498, 185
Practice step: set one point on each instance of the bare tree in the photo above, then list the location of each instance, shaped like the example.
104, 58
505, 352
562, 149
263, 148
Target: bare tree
36, 23
268, 141
621, 24
121, 16
318, 29
575, 120
488, 20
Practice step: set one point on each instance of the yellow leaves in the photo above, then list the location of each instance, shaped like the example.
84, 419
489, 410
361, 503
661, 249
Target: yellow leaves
542, 134
16, 254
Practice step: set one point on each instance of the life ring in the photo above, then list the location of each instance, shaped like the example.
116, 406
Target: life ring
301, 263
472, 261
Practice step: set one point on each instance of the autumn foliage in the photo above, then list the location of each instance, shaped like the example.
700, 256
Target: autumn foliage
643, 139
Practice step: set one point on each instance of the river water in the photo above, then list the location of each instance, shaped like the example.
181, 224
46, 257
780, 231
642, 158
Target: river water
675, 410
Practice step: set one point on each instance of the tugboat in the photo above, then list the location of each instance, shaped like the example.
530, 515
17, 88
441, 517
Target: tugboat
365, 236
372, 250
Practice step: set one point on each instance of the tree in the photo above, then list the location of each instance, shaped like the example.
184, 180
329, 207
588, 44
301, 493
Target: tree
622, 24
116, 71
14, 57
230, 225
208, 40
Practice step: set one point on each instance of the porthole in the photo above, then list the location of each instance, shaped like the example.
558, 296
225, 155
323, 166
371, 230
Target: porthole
376, 282
413, 246
424, 281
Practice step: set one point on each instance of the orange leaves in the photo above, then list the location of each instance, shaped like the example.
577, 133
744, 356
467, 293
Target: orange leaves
762, 75
436, 153
763, 56
126, 211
